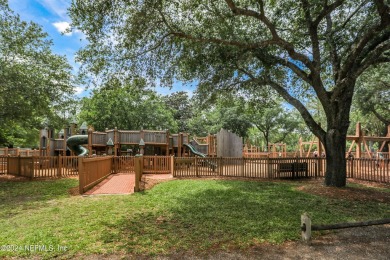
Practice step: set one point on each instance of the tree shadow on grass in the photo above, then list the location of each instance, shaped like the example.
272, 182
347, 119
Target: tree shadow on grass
202, 217
219, 214
18, 196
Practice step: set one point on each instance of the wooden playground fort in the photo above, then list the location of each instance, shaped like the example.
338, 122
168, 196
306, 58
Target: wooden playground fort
115, 142
147, 142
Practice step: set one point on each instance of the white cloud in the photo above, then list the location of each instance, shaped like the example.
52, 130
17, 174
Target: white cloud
62, 27
78, 90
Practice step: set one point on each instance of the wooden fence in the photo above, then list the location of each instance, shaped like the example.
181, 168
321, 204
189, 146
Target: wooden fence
124, 164
39, 167
157, 164
93, 170
377, 170
3, 164
264, 168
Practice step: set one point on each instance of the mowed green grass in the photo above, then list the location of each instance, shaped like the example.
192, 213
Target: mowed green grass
41, 219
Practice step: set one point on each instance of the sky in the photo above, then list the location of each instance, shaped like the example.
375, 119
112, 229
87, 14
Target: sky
52, 16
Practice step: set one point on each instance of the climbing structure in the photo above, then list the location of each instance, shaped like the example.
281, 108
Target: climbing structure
360, 146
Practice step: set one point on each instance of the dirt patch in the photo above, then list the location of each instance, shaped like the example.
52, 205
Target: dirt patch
364, 193
150, 180
74, 191
7, 177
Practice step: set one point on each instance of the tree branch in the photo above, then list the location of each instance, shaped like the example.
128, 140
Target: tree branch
381, 118
223, 42
327, 10
383, 10
284, 62
312, 27
362, 42
311, 123
276, 40
374, 58
334, 57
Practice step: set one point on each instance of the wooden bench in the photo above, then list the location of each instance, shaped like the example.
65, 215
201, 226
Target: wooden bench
293, 168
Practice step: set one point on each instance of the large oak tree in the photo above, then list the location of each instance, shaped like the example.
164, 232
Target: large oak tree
34, 82
298, 47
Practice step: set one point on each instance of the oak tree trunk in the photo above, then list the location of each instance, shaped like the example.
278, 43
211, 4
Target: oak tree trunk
336, 170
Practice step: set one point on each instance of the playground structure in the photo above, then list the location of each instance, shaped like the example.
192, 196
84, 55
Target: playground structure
360, 149
205, 145
18, 152
85, 141
112, 142
274, 150
312, 148
361, 146
223, 144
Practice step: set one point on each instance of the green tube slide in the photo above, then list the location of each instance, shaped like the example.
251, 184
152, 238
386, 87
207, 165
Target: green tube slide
75, 143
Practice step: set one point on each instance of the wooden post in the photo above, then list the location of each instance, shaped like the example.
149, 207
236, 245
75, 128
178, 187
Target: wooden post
90, 133
167, 142
7, 170
116, 164
179, 144
359, 140
154, 161
305, 227
319, 162
243, 167
19, 165
269, 168
351, 165
81, 175
138, 172
59, 169
220, 166
172, 165
31, 168
196, 166
300, 147
116, 141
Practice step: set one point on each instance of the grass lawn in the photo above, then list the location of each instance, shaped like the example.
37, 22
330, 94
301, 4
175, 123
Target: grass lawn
41, 219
